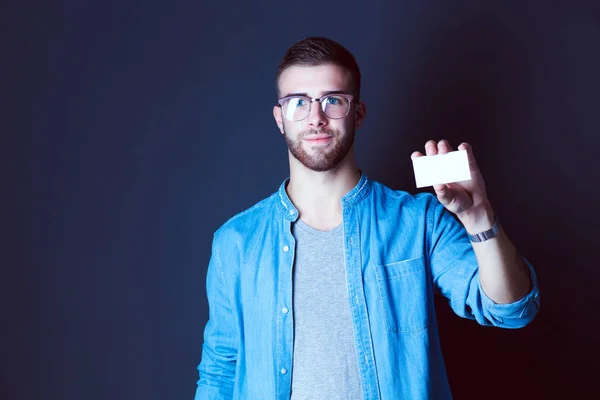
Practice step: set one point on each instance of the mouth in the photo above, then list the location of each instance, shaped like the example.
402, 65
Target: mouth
318, 138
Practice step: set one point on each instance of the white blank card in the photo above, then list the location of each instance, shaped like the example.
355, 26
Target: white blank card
441, 168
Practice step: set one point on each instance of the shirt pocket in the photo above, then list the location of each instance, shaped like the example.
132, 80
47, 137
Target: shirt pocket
403, 290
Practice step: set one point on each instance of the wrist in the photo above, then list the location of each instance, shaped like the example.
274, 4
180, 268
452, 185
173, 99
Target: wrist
478, 219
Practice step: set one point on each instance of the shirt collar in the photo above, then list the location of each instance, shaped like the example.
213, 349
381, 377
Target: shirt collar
359, 192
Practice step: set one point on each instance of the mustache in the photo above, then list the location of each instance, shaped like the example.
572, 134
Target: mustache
330, 132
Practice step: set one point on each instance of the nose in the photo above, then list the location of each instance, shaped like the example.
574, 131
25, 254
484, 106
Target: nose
316, 117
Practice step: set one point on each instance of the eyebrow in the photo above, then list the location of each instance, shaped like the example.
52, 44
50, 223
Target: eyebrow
325, 93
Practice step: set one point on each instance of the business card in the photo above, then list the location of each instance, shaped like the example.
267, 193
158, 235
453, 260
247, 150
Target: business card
441, 168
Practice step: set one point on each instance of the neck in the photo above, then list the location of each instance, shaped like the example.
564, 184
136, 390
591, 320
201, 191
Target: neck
317, 195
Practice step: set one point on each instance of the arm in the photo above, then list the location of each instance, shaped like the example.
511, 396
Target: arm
219, 351
457, 275
503, 274
496, 286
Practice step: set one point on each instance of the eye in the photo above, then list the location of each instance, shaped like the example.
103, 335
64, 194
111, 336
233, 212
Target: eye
334, 101
300, 102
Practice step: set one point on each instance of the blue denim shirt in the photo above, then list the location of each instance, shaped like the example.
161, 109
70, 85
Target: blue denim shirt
400, 250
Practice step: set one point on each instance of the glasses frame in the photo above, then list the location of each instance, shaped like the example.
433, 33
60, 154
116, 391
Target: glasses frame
282, 100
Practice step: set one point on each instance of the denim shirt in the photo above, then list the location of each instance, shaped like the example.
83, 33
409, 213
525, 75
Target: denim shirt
400, 249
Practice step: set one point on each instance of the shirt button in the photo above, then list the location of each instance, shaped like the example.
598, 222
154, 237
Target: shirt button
283, 371
284, 310
286, 248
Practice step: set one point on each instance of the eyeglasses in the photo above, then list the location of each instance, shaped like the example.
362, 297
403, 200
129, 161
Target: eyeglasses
335, 106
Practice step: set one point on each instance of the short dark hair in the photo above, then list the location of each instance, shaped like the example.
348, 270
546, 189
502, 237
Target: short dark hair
314, 51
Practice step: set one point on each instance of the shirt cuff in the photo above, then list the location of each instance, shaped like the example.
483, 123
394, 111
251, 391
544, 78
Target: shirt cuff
518, 309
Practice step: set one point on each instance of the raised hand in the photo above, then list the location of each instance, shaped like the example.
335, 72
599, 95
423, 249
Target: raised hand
467, 199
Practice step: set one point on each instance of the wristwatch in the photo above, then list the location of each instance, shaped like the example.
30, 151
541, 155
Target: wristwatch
490, 233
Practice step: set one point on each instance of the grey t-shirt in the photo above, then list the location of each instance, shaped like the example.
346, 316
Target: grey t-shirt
325, 362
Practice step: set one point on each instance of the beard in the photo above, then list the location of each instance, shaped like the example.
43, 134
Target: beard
322, 159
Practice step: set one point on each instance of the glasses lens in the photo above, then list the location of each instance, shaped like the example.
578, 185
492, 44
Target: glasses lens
296, 108
335, 106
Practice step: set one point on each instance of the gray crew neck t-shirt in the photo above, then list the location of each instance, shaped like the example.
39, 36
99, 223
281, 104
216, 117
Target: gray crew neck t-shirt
325, 362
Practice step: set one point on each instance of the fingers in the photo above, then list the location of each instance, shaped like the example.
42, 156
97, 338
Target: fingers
466, 146
444, 147
416, 154
432, 148
444, 194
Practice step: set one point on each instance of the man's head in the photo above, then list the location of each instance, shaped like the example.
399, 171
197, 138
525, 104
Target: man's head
315, 51
319, 133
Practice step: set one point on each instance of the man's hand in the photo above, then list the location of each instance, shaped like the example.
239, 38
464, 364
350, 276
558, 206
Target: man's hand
467, 199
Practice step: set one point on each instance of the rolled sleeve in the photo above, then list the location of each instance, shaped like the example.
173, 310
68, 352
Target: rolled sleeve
516, 314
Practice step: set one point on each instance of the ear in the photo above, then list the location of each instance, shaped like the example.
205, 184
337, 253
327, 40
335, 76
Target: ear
278, 118
359, 114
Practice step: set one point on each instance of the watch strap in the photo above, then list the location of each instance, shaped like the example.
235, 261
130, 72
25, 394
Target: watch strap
486, 235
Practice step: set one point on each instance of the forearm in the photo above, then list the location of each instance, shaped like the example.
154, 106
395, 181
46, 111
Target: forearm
503, 274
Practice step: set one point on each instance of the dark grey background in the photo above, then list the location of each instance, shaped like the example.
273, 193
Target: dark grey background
132, 129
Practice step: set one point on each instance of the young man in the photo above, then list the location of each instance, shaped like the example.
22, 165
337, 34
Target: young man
325, 289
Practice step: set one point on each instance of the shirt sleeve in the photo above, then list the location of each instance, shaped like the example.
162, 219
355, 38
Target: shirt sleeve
219, 351
455, 275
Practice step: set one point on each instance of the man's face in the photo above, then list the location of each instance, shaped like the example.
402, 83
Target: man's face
318, 142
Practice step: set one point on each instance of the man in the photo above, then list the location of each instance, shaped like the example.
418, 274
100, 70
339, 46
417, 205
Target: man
325, 289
